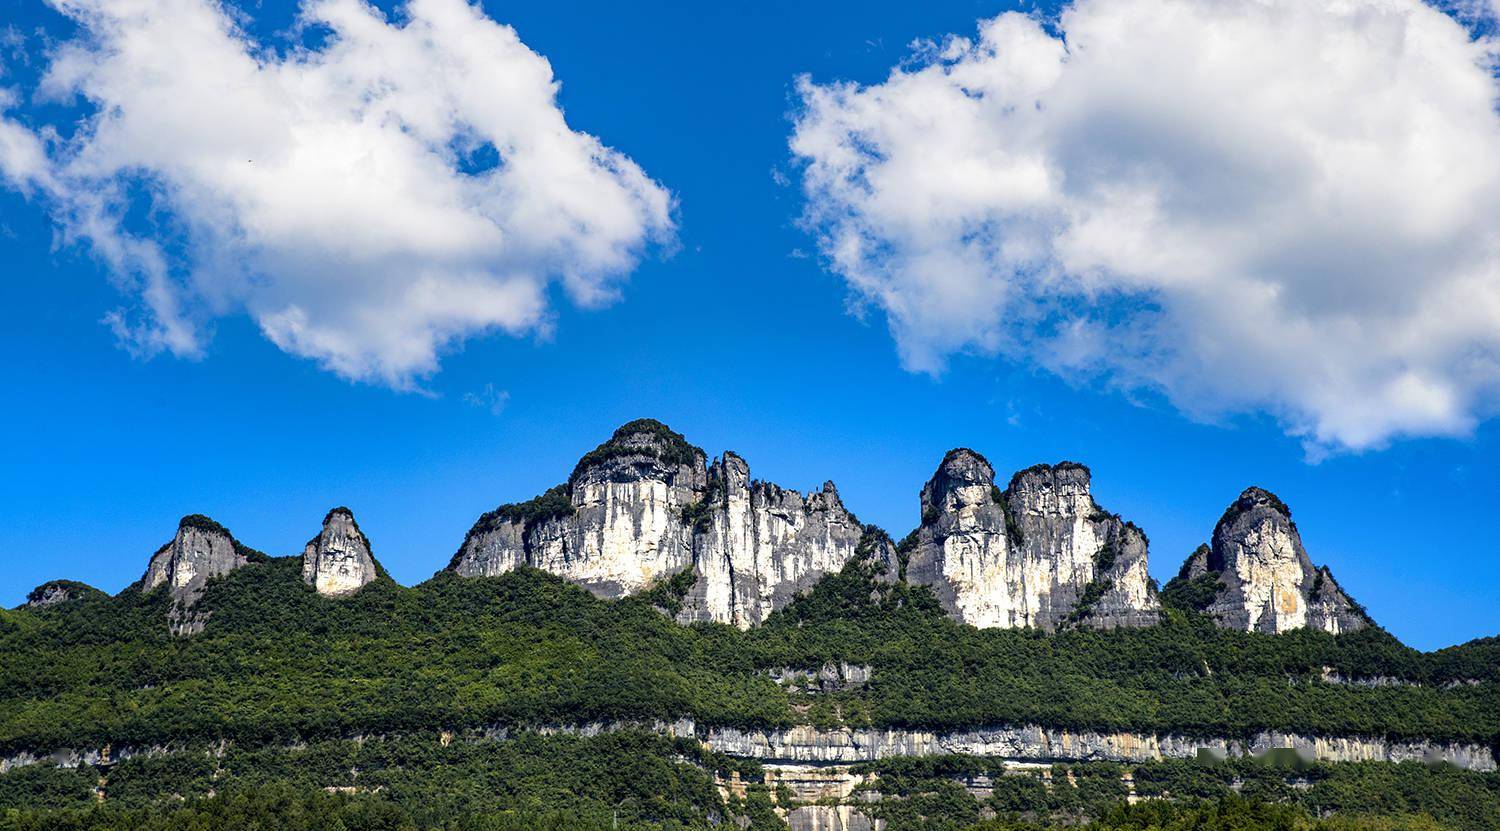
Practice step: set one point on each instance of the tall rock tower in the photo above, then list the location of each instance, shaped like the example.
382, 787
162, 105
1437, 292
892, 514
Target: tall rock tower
1041, 553
1265, 580
645, 506
337, 562
201, 549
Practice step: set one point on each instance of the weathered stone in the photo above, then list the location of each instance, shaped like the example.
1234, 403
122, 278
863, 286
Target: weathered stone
757, 545
337, 562
202, 549
644, 506
1269, 584
808, 745
616, 527
55, 592
1042, 553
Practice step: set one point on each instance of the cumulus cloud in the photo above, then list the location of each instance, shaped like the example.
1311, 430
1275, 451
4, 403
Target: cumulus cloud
1289, 206
368, 201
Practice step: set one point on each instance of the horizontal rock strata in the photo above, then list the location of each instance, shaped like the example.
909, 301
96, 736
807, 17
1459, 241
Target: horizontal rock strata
806, 745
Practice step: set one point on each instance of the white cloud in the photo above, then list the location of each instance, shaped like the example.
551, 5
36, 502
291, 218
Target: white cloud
333, 193
488, 398
1280, 205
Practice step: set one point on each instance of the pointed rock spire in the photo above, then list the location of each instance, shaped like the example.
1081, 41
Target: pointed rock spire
1041, 553
337, 562
201, 549
1265, 580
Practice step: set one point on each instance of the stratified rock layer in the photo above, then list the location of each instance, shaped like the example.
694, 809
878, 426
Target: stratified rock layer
337, 562
202, 549
644, 506
1041, 554
1267, 581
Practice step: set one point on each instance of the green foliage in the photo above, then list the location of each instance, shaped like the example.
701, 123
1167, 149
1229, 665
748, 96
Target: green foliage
277, 664
943, 791
74, 589
1194, 594
672, 449
1092, 592
555, 503
668, 594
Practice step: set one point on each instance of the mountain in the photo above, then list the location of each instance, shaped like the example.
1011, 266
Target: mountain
201, 550
1041, 553
1256, 576
646, 506
664, 642
337, 561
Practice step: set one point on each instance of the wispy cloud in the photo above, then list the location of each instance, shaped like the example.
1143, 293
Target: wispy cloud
488, 398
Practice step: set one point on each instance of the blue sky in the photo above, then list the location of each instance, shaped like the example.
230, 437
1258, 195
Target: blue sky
733, 327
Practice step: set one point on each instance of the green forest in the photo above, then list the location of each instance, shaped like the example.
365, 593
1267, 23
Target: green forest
371, 711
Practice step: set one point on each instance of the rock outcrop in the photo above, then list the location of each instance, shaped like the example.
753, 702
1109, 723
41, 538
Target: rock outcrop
1256, 576
337, 562
1041, 553
757, 545
56, 592
645, 506
201, 549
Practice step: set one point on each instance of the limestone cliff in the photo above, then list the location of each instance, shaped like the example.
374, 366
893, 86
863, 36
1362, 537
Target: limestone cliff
201, 549
1041, 553
645, 506
757, 545
337, 562
1256, 576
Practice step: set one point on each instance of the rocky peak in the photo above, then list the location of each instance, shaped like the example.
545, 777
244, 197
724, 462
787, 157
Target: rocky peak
1041, 553
337, 562
54, 592
1062, 488
963, 478
643, 449
201, 549
644, 506
1268, 582
826, 499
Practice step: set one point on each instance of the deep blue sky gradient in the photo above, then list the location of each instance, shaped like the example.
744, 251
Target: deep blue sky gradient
737, 339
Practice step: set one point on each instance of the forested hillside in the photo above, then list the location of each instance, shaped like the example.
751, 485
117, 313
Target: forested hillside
417, 707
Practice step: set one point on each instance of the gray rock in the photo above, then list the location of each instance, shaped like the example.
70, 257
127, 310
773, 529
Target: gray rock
337, 562
1042, 553
201, 550
808, 745
55, 592
644, 506
757, 545
1269, 582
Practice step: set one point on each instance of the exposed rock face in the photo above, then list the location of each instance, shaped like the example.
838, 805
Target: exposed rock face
1042, 553
201, 549
337, 562
1268, 582
804, 744
54, 592
757, 545
644, 506
615, 528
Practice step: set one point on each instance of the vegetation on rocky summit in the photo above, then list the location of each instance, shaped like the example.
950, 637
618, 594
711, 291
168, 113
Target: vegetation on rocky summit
671, 449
